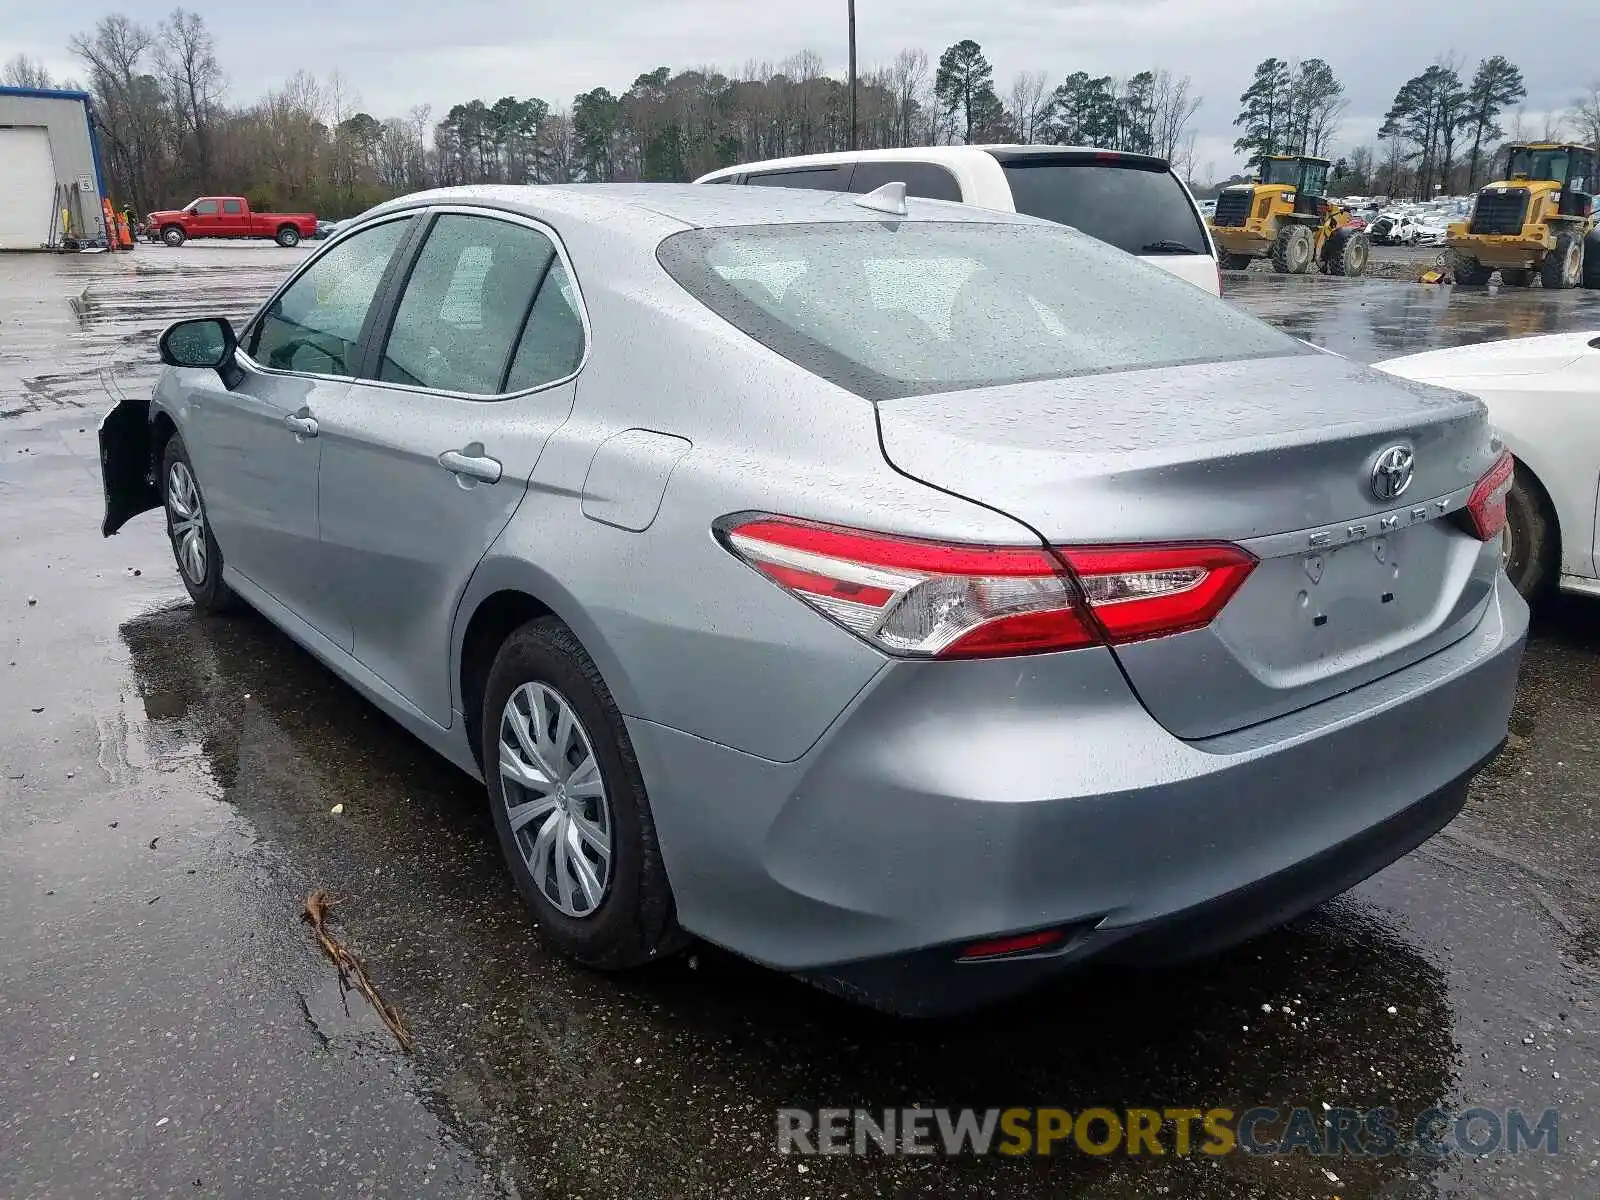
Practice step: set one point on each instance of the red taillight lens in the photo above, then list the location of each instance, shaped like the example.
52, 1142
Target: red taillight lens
1140, 592
1486, 507
933, 600
918, 598
1021, 943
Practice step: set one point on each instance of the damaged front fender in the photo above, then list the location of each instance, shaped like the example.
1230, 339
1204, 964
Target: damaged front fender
127, 464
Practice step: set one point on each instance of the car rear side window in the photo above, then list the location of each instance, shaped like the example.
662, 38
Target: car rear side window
465, 303
1136, 208
315, 324
928, 180
917, 307
824, 179
233, 208
551, 345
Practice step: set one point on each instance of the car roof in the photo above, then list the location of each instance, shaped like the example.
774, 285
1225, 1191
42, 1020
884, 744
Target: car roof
660, 209
944, 155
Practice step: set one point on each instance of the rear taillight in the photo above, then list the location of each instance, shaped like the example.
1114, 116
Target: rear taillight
1486, 507
926, 599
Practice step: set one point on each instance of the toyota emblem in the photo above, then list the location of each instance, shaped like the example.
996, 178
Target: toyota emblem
1391, 474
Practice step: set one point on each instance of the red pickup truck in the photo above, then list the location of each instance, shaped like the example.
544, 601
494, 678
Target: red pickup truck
228, 217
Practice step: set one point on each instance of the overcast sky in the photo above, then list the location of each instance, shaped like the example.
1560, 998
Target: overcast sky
397, 53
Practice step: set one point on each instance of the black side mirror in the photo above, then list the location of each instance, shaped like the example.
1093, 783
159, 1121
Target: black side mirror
202, 342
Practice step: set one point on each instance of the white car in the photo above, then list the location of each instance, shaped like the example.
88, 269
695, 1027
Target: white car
1136, 202
1543, 395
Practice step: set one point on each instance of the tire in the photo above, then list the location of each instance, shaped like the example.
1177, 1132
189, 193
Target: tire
194, 546
1531, 539
288, 236
1563, 267
1293, 250
634, 919
1233, 262
173, 236
1518, 277
1348, 254
1469, 270
1591, 259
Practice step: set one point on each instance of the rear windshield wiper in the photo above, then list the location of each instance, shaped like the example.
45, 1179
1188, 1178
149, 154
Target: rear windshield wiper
1168, 246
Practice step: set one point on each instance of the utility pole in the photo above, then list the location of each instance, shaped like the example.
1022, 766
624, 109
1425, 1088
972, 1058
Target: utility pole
855, 136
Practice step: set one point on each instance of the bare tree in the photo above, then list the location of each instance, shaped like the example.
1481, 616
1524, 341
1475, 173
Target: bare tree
1029, 108
187, 57
1175, 106
1585, 116
1555, 124
909, 79
26, 72
132, 108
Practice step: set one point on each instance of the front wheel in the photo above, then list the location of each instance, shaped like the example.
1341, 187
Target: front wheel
1293, 250
194, 547
569, 803
173, 236
1348, 254
1563, 266
1591, 259
1469, 270
288, 236
1229, 261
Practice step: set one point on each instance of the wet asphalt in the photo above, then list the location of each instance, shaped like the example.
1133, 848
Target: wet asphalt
168, 1026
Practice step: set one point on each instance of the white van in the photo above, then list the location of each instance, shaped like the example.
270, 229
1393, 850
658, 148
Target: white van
1136, 202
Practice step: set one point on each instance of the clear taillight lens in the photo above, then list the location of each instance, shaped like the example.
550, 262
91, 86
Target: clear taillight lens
1486, 507
926, 599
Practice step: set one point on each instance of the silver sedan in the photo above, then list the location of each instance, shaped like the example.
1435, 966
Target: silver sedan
914, 598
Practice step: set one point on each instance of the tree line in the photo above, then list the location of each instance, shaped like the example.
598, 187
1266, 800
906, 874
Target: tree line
168, 132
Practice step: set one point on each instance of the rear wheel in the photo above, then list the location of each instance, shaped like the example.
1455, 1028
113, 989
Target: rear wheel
1469, 270
569, 803
172, 235
1229, 261
194, 547
1591, 259
1292, 250
1348, 254
1563, 266
1516, 276
288, 236
1528, 545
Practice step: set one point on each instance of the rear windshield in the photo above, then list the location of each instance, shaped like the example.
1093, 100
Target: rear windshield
905, 308
1134, 208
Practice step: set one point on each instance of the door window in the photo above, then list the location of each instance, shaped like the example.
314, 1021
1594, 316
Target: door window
315, 324
233, 208
921, 179
825, 179
205, 208
466, 302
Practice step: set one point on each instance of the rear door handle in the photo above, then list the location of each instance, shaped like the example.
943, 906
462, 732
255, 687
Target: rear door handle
302, 424
471, 463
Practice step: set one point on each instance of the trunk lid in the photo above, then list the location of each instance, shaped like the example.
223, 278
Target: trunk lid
1276, 455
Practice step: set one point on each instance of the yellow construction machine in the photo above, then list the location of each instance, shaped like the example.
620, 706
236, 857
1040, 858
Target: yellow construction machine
1288, 218
1540, 219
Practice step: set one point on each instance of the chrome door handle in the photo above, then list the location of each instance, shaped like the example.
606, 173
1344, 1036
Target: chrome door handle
303, 426
471, 463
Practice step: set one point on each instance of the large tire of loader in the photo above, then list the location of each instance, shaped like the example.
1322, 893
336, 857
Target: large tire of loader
1293, 250
1347, 253
1591, 259
1469, 270
1563, 266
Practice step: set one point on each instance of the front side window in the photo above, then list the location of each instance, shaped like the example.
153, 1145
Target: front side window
822, 179
315, 325
913, 308
464, 307
205, 208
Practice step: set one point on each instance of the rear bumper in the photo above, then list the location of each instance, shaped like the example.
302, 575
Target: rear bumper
955, 802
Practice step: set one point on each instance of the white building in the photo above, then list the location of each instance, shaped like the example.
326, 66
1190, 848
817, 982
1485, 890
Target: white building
49, 161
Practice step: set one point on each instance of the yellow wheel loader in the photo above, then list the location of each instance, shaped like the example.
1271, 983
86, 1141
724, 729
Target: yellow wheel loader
1539, 220
1288, 218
